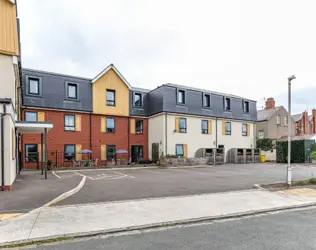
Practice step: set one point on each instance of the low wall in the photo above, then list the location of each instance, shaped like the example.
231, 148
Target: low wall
193, 161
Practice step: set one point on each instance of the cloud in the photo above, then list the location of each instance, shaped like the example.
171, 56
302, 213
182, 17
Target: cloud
246, 48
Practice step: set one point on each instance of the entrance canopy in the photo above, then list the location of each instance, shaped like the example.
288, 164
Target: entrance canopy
24, 127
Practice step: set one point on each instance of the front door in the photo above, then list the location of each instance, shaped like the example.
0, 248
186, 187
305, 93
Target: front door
137, 153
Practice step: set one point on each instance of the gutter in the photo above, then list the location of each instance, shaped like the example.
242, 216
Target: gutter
2, 145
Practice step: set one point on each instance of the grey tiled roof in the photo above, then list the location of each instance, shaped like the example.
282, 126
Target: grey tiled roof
206, 91
297, 117
266, 114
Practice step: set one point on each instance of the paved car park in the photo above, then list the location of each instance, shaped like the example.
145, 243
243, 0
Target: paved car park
104, 185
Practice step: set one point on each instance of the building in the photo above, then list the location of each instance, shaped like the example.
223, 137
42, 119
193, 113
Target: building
9, 94
107, 115
272, 123
184, 120
304, 123
104, 115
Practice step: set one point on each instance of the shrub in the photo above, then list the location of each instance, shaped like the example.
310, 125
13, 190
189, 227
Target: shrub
313, 155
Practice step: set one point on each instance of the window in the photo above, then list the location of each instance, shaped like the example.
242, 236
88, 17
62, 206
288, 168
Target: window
204, 127
246, 106
139, 126
182, 125
278, 119
227, 103
179, 150
138, 100
72, 91
110, 152
261, 134
244, 129
181, 97
110, 125
70, 152
69, 122
31, 154
34, 86
110, 97
206, 101
286, 122
228, 128
30, 116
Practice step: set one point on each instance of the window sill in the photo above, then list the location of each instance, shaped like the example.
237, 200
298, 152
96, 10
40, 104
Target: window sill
69, 130
34, 95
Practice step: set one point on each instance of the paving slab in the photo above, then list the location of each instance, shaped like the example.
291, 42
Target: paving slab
136, 214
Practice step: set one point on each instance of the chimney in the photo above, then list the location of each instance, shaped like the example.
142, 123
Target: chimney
270, 103
305, 123
314, 121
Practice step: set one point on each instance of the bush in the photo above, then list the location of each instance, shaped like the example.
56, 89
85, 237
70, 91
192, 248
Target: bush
265, 144
313, 155
312, 180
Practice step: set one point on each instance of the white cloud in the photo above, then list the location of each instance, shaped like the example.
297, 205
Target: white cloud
245, 47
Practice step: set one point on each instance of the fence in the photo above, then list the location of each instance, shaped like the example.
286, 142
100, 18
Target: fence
58, 159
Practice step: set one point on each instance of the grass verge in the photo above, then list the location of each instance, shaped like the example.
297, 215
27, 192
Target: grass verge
39, 242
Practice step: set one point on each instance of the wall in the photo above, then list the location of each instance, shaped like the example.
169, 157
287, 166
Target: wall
9, 43
119, 138
57, 137
7, 77
193, 138
276, 131
156, 133
264, 127
235, 140
9, 152
110, 80
141, 139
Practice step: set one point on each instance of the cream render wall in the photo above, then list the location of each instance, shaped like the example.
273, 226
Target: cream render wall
9, 152
156, 133
7, 77
193, 137
235, 140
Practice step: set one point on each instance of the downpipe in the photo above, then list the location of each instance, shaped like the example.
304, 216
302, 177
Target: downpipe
2, 147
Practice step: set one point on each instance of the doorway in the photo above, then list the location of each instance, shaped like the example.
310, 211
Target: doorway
137, 153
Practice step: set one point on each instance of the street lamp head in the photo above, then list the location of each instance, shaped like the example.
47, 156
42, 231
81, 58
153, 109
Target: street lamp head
291, 78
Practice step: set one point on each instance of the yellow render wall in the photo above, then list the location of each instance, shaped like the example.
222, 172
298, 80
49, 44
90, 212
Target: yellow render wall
9, 43
110, 80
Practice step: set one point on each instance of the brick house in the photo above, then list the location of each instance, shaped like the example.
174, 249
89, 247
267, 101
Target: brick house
304, 123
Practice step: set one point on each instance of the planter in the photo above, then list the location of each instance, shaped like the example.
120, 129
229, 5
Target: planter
314, 161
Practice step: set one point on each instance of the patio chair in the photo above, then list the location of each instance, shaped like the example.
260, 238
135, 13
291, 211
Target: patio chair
95, 163
76, 164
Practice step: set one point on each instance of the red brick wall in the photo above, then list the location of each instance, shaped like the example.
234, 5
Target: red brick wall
57, 137
141, 139
119, 138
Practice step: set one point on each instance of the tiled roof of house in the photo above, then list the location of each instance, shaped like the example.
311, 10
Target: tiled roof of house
297, 117
266, 114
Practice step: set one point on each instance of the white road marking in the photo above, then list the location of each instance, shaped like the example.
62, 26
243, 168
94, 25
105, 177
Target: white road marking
56, 175
83, 175
151, 171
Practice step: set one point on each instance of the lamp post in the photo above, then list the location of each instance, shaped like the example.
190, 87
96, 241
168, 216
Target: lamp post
289, 168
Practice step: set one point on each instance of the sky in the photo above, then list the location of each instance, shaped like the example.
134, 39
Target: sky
242, 47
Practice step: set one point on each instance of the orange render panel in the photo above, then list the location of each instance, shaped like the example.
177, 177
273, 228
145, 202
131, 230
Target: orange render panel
9, 43
110, 80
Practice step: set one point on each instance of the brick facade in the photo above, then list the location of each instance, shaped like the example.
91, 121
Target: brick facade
88, 139
306, 125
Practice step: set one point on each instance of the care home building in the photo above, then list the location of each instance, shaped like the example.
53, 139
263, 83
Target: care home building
117, 121
183, 120
105, 115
